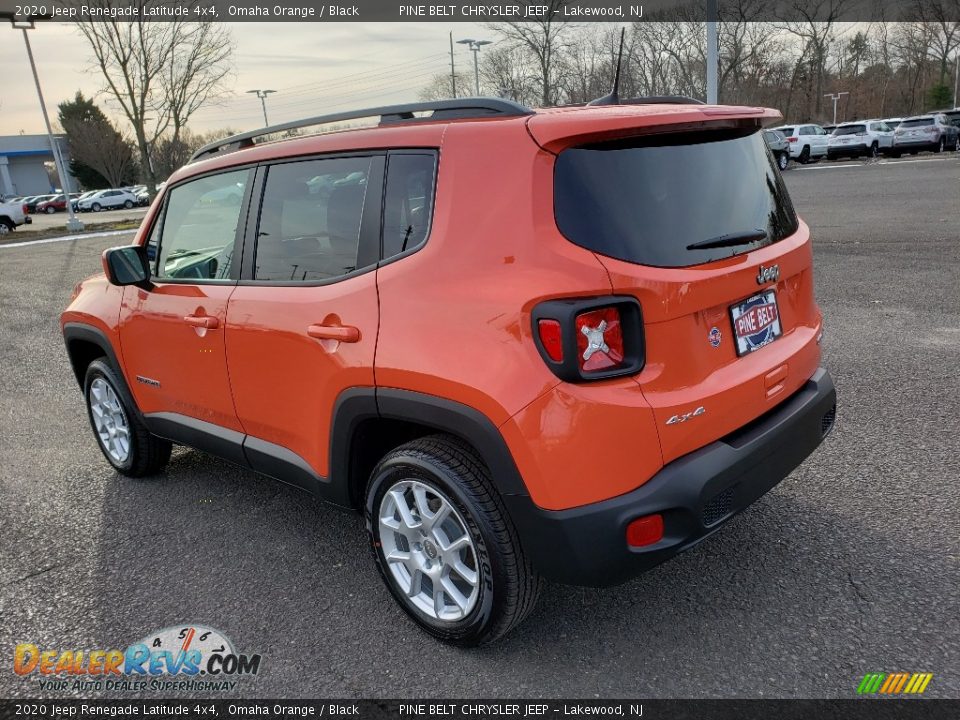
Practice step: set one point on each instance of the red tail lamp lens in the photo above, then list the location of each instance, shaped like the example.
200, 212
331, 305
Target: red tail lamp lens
599, 339
551, 337
792, 139
645, 530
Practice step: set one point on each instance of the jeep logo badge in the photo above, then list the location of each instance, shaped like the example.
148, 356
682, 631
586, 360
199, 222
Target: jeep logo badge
768, 274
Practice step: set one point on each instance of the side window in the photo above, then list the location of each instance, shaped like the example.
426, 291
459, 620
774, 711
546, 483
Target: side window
408, 205
198, 228
310, 219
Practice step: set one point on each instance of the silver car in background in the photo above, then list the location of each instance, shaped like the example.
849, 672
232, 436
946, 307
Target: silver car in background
925, 132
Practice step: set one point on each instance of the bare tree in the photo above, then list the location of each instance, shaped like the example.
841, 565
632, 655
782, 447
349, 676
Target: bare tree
158, 72
542, 39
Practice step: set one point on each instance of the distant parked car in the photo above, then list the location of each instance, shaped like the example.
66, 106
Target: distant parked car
807, 142
925, 132
36, 200
857, 139
953, 116
828, 129
107, 200
778, 146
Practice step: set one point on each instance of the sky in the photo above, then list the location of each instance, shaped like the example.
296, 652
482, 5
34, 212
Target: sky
314, 67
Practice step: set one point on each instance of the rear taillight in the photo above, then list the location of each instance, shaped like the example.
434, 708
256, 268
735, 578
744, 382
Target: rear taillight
590, 339
599, 340
26, 210
792, 139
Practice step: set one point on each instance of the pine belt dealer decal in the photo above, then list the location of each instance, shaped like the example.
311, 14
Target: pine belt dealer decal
184, 658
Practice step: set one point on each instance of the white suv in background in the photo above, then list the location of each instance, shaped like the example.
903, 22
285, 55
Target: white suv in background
107, 199
856, 139
807, 142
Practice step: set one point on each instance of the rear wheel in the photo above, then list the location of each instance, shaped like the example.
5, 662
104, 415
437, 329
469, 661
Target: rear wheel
444, 544
6, 227
874, 150
940, 148
123, 439
804, 154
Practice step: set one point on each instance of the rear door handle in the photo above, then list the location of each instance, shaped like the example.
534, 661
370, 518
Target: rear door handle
202, 321
341, 333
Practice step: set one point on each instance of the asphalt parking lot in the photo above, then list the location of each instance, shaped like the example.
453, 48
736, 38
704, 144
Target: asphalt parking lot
851, 565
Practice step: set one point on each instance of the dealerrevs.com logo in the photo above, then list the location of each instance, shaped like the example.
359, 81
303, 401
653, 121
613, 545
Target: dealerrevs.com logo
187, 657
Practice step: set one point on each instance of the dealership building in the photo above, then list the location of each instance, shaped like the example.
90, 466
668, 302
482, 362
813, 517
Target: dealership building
23, 161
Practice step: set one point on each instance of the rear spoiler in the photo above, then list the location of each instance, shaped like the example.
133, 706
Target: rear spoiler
555, 131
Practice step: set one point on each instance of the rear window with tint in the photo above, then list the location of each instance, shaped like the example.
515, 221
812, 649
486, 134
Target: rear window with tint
646, 200
787, 131
917, 122
850, 130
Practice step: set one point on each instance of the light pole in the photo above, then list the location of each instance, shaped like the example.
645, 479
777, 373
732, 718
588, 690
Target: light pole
956, 81
475, 46
73, 224
836, 98
712, 53
262, 94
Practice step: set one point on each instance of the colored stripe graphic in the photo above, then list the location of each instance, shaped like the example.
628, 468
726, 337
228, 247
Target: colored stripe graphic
894, 683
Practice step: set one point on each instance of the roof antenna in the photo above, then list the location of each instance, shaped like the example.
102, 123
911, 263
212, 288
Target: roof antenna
614, 97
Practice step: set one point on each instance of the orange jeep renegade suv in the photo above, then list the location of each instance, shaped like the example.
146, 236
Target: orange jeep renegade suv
563, 344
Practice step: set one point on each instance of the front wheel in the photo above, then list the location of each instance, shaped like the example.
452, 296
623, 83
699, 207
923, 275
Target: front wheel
128, 204
50, 210
123, 439
96, 207
444, 544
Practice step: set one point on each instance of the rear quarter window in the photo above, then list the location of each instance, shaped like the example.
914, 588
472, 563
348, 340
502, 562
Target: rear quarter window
646, 200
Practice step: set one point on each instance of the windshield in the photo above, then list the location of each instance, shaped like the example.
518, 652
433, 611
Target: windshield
916, 122
850, 130
648, 200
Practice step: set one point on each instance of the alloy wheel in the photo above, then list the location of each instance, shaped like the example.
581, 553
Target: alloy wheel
428, 550
109, 420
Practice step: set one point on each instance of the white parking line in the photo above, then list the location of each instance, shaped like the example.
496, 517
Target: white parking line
68, 238
883, 163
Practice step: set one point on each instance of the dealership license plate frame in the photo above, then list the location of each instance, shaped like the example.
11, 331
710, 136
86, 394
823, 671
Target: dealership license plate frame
742, 344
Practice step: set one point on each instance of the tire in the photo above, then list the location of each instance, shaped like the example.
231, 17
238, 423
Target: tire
874, 151
941, 147
96, 207
423, 475
50, 210
6, 227
128, 204
145, 453
804, 155
783, 159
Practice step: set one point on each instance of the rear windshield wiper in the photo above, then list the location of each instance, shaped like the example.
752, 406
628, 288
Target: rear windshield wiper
741, 238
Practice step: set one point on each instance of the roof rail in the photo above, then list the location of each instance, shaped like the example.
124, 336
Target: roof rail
441, 110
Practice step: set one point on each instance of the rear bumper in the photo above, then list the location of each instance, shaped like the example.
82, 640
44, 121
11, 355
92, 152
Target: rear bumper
695, 494
847, 150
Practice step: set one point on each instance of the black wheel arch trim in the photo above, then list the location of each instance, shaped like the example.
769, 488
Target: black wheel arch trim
81, 332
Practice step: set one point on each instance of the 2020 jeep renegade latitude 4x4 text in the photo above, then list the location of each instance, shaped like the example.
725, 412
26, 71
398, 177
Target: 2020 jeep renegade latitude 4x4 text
563, 344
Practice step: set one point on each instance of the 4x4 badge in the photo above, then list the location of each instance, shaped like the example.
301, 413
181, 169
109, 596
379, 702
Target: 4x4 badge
714, 336
768, 274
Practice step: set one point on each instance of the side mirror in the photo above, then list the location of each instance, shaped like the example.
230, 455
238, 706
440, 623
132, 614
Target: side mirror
127, 266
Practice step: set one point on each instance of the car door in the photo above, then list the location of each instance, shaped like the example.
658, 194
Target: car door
819, 140
302, 324
172, 333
